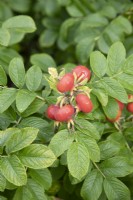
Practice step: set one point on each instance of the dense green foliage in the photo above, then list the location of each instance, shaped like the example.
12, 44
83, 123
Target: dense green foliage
95, 160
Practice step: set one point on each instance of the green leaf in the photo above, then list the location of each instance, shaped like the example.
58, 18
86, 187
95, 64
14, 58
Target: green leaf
15, 36
118, 137
36, 190
91, 145
21, 140
92, 186
33, 78
108, 148
51, 7
7, 54
48, 38
84, 48
116, 57
7, 97
94, 20
35, 122
33, 108
128, 65
101, 95
19, 6
126, 80
117, 166
111, 109
108, 11
74, 10
124, 24
3, 77
42, 177
61, 142
4, 37
98, 63
10, 186
21, 23
23, 99
116, 190
78, 160
7, 134
42, 60
87, 128
13, 170
37, 156
114, 32
23, 193
115, 89
17, 72
2, 182
2, 198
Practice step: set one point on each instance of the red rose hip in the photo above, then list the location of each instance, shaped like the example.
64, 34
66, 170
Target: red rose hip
65, 113
66, 83
82, 71
84, 103
51, 110
130, 107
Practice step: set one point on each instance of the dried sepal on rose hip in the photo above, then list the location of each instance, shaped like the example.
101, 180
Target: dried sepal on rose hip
82, 73
84, 103
65, 113
66, 83
130, 98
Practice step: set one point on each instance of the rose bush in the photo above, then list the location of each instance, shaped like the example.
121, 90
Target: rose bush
66, 100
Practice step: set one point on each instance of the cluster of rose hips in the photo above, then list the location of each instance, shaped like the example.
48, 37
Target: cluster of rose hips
73, 99
121, 105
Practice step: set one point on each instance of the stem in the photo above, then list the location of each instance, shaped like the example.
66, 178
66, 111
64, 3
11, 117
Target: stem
127, 145
117, 126
41, 98
99, 169
130, 117
2, 87
17, 122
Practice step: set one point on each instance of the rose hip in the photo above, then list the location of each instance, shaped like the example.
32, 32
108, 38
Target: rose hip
82, 71
130, 107
65, 113
51, 110
84, 103
66, 83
